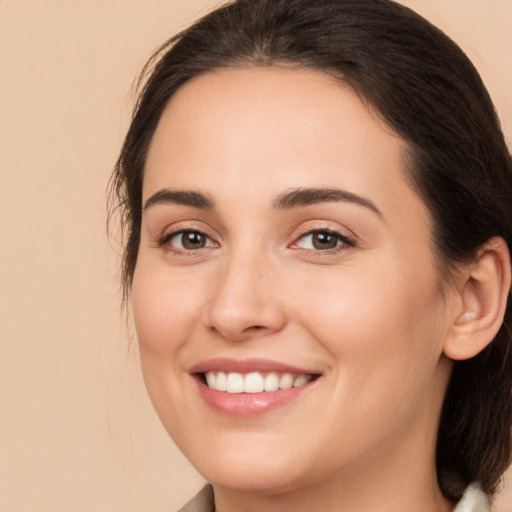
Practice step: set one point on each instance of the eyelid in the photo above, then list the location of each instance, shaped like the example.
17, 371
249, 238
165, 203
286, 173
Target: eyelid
162, 240
346, 241
169, 236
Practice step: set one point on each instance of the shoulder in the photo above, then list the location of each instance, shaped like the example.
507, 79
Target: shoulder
201, 502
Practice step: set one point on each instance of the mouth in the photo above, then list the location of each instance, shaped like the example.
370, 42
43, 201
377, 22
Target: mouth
252, 387
254, 382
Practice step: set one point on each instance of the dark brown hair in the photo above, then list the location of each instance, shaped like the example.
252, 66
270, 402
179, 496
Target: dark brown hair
430, 94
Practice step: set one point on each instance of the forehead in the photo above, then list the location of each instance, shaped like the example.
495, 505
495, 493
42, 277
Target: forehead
256, 128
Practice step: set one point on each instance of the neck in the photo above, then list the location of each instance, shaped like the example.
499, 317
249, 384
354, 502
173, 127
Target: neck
353, 495
385, 481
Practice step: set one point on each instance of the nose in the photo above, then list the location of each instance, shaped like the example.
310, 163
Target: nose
245, 302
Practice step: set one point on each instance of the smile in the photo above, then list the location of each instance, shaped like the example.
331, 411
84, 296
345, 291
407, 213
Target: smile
251, 387
254, 382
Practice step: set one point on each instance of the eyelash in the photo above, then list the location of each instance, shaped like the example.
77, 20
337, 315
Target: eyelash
343, 242
166, 238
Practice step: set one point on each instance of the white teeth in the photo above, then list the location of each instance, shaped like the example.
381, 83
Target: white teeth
271, 382
253, 382
222, 382
235, 383
300, 381
211, 380
286, 381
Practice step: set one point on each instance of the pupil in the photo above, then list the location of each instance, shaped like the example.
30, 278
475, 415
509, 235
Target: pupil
193, 240
324, 241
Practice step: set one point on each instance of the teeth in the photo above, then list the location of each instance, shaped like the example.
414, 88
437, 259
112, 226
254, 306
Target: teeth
300, 381
221, 383
271, 382
211, 380
286, 381
235, 383
253, 382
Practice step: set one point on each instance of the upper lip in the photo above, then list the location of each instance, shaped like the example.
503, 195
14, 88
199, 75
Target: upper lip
247, 365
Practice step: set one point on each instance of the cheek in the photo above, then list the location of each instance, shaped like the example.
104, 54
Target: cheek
164, 309
385, 344
163, 312
374, 318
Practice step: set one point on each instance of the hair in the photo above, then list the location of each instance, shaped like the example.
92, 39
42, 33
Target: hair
429, 93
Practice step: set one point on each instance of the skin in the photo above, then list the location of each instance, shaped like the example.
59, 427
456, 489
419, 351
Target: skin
369, 316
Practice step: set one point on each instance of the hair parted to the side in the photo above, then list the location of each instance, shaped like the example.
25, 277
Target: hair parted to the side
429, 93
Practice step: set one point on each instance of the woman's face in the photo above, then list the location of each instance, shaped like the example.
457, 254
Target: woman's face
281, 246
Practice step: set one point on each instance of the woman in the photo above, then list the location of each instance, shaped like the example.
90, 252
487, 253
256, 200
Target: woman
317, 200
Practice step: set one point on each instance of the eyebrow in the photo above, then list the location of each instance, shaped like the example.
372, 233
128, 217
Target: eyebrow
308, 196
181, 197
287, 200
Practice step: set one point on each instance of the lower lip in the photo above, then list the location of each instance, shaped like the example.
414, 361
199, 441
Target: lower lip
246, 405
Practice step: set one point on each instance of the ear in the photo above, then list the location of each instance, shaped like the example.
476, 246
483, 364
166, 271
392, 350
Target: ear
482, 300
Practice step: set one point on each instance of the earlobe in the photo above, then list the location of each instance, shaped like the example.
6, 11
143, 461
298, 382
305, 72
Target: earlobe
483, 297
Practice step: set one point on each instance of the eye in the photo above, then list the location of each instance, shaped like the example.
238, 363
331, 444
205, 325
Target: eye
323, 240
187, 240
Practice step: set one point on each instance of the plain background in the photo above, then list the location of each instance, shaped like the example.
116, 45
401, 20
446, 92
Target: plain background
77, 430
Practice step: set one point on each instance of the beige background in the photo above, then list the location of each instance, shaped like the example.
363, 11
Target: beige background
77, 431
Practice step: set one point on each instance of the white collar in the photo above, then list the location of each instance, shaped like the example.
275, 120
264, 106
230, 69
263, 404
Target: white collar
473, 500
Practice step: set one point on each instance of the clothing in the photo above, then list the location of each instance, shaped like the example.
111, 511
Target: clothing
474, 500
201, 502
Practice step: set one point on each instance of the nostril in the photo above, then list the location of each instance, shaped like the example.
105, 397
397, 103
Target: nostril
254, 328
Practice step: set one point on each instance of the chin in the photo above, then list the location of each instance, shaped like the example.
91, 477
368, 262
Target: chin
249, 470
262, 479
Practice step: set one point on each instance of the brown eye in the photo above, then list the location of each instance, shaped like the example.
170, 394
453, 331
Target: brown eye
193, 240
188, 241
323, 240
